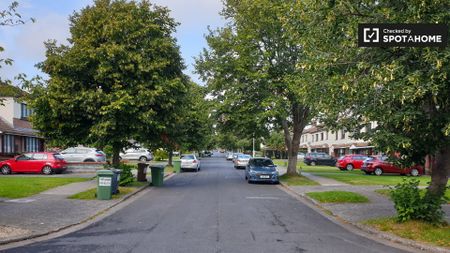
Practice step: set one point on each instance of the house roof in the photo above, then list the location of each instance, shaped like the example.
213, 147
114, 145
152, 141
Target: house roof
19, 127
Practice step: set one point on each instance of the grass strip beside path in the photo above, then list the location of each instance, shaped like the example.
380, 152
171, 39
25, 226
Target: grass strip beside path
414, 230
297, 180
386, 192
338, 197
21, 187
90, 194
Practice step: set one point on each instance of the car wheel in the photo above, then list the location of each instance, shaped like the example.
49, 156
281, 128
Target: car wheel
143, 159
378, 171
246, 178
6, 170
313, 163
47, 170
414, 172
349, 167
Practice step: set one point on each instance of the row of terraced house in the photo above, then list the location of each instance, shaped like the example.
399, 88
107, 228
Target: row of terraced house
16, 133
335, 143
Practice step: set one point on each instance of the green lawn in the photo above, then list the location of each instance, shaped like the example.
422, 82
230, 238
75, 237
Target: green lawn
355, 177
386, 192
415, 230
20, 187
90, 194
296, 180
338, 197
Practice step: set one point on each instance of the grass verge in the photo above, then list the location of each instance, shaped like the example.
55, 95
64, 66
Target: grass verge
21, 187
338, 197
386, 192
414, 230
297, 180
90, 194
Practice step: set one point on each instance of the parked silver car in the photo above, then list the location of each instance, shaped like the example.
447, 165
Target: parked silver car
241, 161
190, 162
140, 154
230, 156
83, 154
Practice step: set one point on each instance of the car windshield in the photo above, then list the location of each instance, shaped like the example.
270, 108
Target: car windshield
262, 163
244, 156
58, 157
188, 157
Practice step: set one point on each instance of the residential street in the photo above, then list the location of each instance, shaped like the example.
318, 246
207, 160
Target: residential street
214, 210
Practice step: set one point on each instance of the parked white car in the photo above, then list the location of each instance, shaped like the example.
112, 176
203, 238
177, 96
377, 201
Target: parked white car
190, 162
83, 154
300, 156
230, 156
140, 154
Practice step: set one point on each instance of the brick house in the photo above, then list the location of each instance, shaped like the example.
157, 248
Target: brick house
16, 133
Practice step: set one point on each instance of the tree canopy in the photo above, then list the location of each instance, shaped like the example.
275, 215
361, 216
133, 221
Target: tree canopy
120, 78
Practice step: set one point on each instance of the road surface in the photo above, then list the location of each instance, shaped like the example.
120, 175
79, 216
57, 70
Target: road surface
214, 210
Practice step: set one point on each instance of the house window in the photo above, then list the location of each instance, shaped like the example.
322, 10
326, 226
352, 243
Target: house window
317, 137
25, 111
31, 144
342, 134
321, 136
337, 135
326, 135
8, 144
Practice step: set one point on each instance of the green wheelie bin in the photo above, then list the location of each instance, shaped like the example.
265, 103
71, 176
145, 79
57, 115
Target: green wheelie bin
104, 184
176, 166
157, 175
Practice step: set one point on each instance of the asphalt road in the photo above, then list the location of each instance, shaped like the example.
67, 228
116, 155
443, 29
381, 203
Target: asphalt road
214, 210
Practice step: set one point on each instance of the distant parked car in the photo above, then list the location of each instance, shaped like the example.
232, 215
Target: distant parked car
350, 162
39, 162
140, 154
235, 155
207, 153
319, 158
230, 156
241, 161
300, 156
379, 165
190, 162
83, 154
261, 170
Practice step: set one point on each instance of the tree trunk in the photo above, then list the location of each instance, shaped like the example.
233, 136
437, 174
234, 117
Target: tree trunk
300, 116
116, 152
440, 172
170, 157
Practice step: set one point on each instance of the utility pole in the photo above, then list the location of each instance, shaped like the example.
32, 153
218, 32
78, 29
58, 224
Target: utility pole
253, 153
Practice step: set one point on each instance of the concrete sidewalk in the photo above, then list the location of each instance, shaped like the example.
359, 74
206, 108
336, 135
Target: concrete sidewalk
377, 207
50, 211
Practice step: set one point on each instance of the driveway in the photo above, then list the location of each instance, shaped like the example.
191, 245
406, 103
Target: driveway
213, 210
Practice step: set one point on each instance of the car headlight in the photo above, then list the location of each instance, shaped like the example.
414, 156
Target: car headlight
252, 172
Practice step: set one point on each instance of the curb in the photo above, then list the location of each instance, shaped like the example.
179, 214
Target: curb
399, 241
60, 229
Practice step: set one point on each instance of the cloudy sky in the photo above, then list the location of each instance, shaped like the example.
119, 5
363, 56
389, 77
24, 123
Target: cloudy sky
24, 43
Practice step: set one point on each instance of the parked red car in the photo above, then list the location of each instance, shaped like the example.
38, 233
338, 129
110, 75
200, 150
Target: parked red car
379, 165
39, 162
350, 162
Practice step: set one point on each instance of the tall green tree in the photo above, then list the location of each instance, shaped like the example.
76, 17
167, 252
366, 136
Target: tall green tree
254, 69
405, 90
120, 78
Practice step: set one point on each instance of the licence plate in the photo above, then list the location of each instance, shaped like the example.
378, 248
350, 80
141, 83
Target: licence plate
264, 176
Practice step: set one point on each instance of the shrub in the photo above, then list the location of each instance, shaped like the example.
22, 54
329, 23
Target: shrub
410, 205
126, 177
160, 154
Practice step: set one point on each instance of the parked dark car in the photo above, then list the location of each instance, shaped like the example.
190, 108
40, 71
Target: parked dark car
350, 162
379, 165
319, 158
261, 170
39, 162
